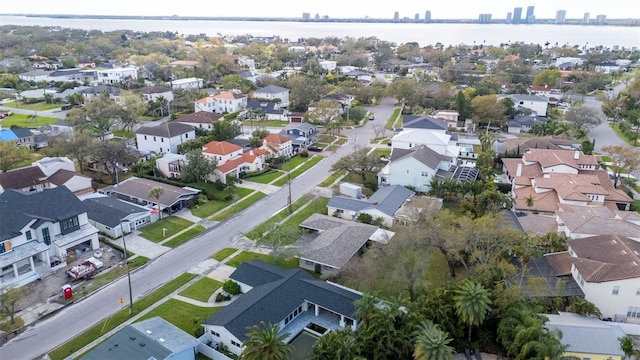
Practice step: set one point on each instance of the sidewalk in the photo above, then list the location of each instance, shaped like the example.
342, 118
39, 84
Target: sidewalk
264, 188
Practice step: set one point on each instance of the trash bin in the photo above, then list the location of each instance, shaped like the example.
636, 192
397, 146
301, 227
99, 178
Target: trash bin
67, 291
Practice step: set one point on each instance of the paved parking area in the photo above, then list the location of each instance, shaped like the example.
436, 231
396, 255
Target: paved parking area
221, 273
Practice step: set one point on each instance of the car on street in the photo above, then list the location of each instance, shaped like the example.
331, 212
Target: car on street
314, 148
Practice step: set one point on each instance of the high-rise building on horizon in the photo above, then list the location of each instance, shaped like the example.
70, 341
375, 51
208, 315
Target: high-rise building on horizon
531, 18
306, 16
427, 16
601, 20
586, 18
561, 16
509, 17
517, 15
396, 16
484, 18
416, 17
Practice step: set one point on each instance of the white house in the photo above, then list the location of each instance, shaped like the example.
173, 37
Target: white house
187, 83
279, 145
328, 65
450, 116
112, 216
537, 104
35, 75
232, 160
273, 92
114, 76
226, 102
153, 93
200, 120
170, 165
38, 231
606, 270
415, 167
164, 138
291, 298
439, 142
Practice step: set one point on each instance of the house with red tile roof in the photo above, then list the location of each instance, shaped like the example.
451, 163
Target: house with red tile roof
226, 102
278, 145
232, 160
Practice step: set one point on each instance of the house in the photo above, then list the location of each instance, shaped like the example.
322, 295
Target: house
359, 75
337, 241
537, 104
61, 127
523, 123
26, 179
72, 74
301, 134
291, 298
437, 141
545, 91
578, 222
226, 102
328, 65
519, 146
273, 93
267, 109
343, 99
587, 337
91, 92
112, 216
418, 166
35, 75
608, 67
278, 145
450, 116
605, 267
136, 190
153, 93
25, 137
382, 205
425, 123
170, 165
200, 120
164, 138
187, 84
232, 160
154, 338
76, 183
38, 231
490, 61
116, 75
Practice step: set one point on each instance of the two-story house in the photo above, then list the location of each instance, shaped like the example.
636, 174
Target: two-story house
537, 104
226, 102
91, 92
278, 145
273, 93
170, 165
116, 75
232, 160
153, 93
39, 231
164, 138
200, 120
301, 134
187, 83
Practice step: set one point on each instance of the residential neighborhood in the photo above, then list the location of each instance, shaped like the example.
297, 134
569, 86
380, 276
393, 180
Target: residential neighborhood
186, 196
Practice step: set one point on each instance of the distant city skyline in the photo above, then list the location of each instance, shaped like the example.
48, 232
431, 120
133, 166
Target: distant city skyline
462, 9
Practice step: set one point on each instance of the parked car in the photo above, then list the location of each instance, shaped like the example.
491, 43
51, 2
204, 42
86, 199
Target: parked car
371, 118
314, 148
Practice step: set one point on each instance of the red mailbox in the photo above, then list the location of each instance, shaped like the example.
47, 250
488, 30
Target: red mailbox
67, 291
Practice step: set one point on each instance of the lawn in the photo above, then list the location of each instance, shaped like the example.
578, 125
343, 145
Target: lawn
291, 263
292, 224
173, 224
202, 289
390, 124
293, 162
265, 178
35, 156
258, 124
341, 141
223, 254
621, 134
279, 216
332, 178
239, 206
297, 172
328, 139
332, 148
39, 106
185, 316
94, 332
185, 236
22, 120
211, 207
124, 134
382, 152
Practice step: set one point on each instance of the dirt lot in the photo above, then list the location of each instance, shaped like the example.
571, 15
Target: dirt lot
50, 287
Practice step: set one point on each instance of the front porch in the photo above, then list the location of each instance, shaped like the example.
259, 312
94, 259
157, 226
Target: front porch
24, 264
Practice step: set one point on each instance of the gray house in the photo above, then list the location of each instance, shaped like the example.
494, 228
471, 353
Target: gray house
383, 204
112, 216
301, 134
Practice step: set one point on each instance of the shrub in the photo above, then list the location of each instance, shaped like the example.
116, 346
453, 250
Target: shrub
231, 287
371, 184
365, 218
304, 153
222, 297
219, 185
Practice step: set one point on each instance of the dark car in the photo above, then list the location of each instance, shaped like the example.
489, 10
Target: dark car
314, 148
371, 118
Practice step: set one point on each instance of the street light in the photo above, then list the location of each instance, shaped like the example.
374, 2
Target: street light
126, 263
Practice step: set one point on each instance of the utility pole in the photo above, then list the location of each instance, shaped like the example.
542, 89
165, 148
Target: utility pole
126, 263
289, 207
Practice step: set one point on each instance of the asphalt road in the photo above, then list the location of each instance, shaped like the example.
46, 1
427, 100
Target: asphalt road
49, 333
56, 113
603, 134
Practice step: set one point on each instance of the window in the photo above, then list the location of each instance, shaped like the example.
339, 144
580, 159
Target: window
215, 333
162, 140
235, 343
616, 290
426, 174
28, 235
154, 138
69, 225
5, 246
186, 136
46, 237
638, 291
634, 311
145, 137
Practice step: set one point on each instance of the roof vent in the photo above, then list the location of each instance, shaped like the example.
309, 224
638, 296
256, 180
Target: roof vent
148, 331
142, 344
624, 252
132, 337
576, 155
614, 241
161, 340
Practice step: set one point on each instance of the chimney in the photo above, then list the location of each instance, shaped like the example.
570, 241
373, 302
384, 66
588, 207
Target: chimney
576, 155
519, 170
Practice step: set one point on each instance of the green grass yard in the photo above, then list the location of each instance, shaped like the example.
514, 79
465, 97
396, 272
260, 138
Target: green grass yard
22, 120
389, 125
332, 178
293, 162
185, 236
239, 206
39, 106
279, 216
223, 254
289, 263
185, 316
202, 289
301, 169
266, 178
173, 224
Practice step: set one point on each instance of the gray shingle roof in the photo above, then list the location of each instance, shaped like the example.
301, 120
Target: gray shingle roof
423, 122
390, 198
267, 107
272, 301
108, 211
19, 208
167, 130
200, 117
139, 188
102, 88
22, 132
345, 203
271, 89
422, 153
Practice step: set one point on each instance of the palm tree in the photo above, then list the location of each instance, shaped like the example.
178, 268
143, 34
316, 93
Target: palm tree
338, 345
265, 343
472, 303
584, 307
432, 343
155, 193
529, 199
626, 344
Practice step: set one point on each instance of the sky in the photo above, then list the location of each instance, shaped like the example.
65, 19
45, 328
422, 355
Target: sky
441, 9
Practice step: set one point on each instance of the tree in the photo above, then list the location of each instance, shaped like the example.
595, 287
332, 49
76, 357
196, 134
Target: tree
359, 162
231, 82
78, 146
132, 108
198, 167
432, 343
257, 137
264, 343
583, 307
488, 109
547, 77
623, 159
472, 303
113, 155
224, 130
9, 297
463, 106
324, 112
633, 119
277, 237
11, 155
156, 192
529, 199
582, 117
627, 346
304, 90
338, 345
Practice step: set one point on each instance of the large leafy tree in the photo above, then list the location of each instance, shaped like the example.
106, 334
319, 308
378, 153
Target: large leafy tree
224, 130
472, 302
324, 112
548, 77
198, 167
103, 114
113, 154
9, 298
266, 343
338, 345
624, 159
132, 108
582, 117
432, 343
359, 162
11, 155
488, 109
304, 90
463, 106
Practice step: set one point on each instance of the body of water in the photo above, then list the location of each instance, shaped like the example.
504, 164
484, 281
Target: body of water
424, 34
